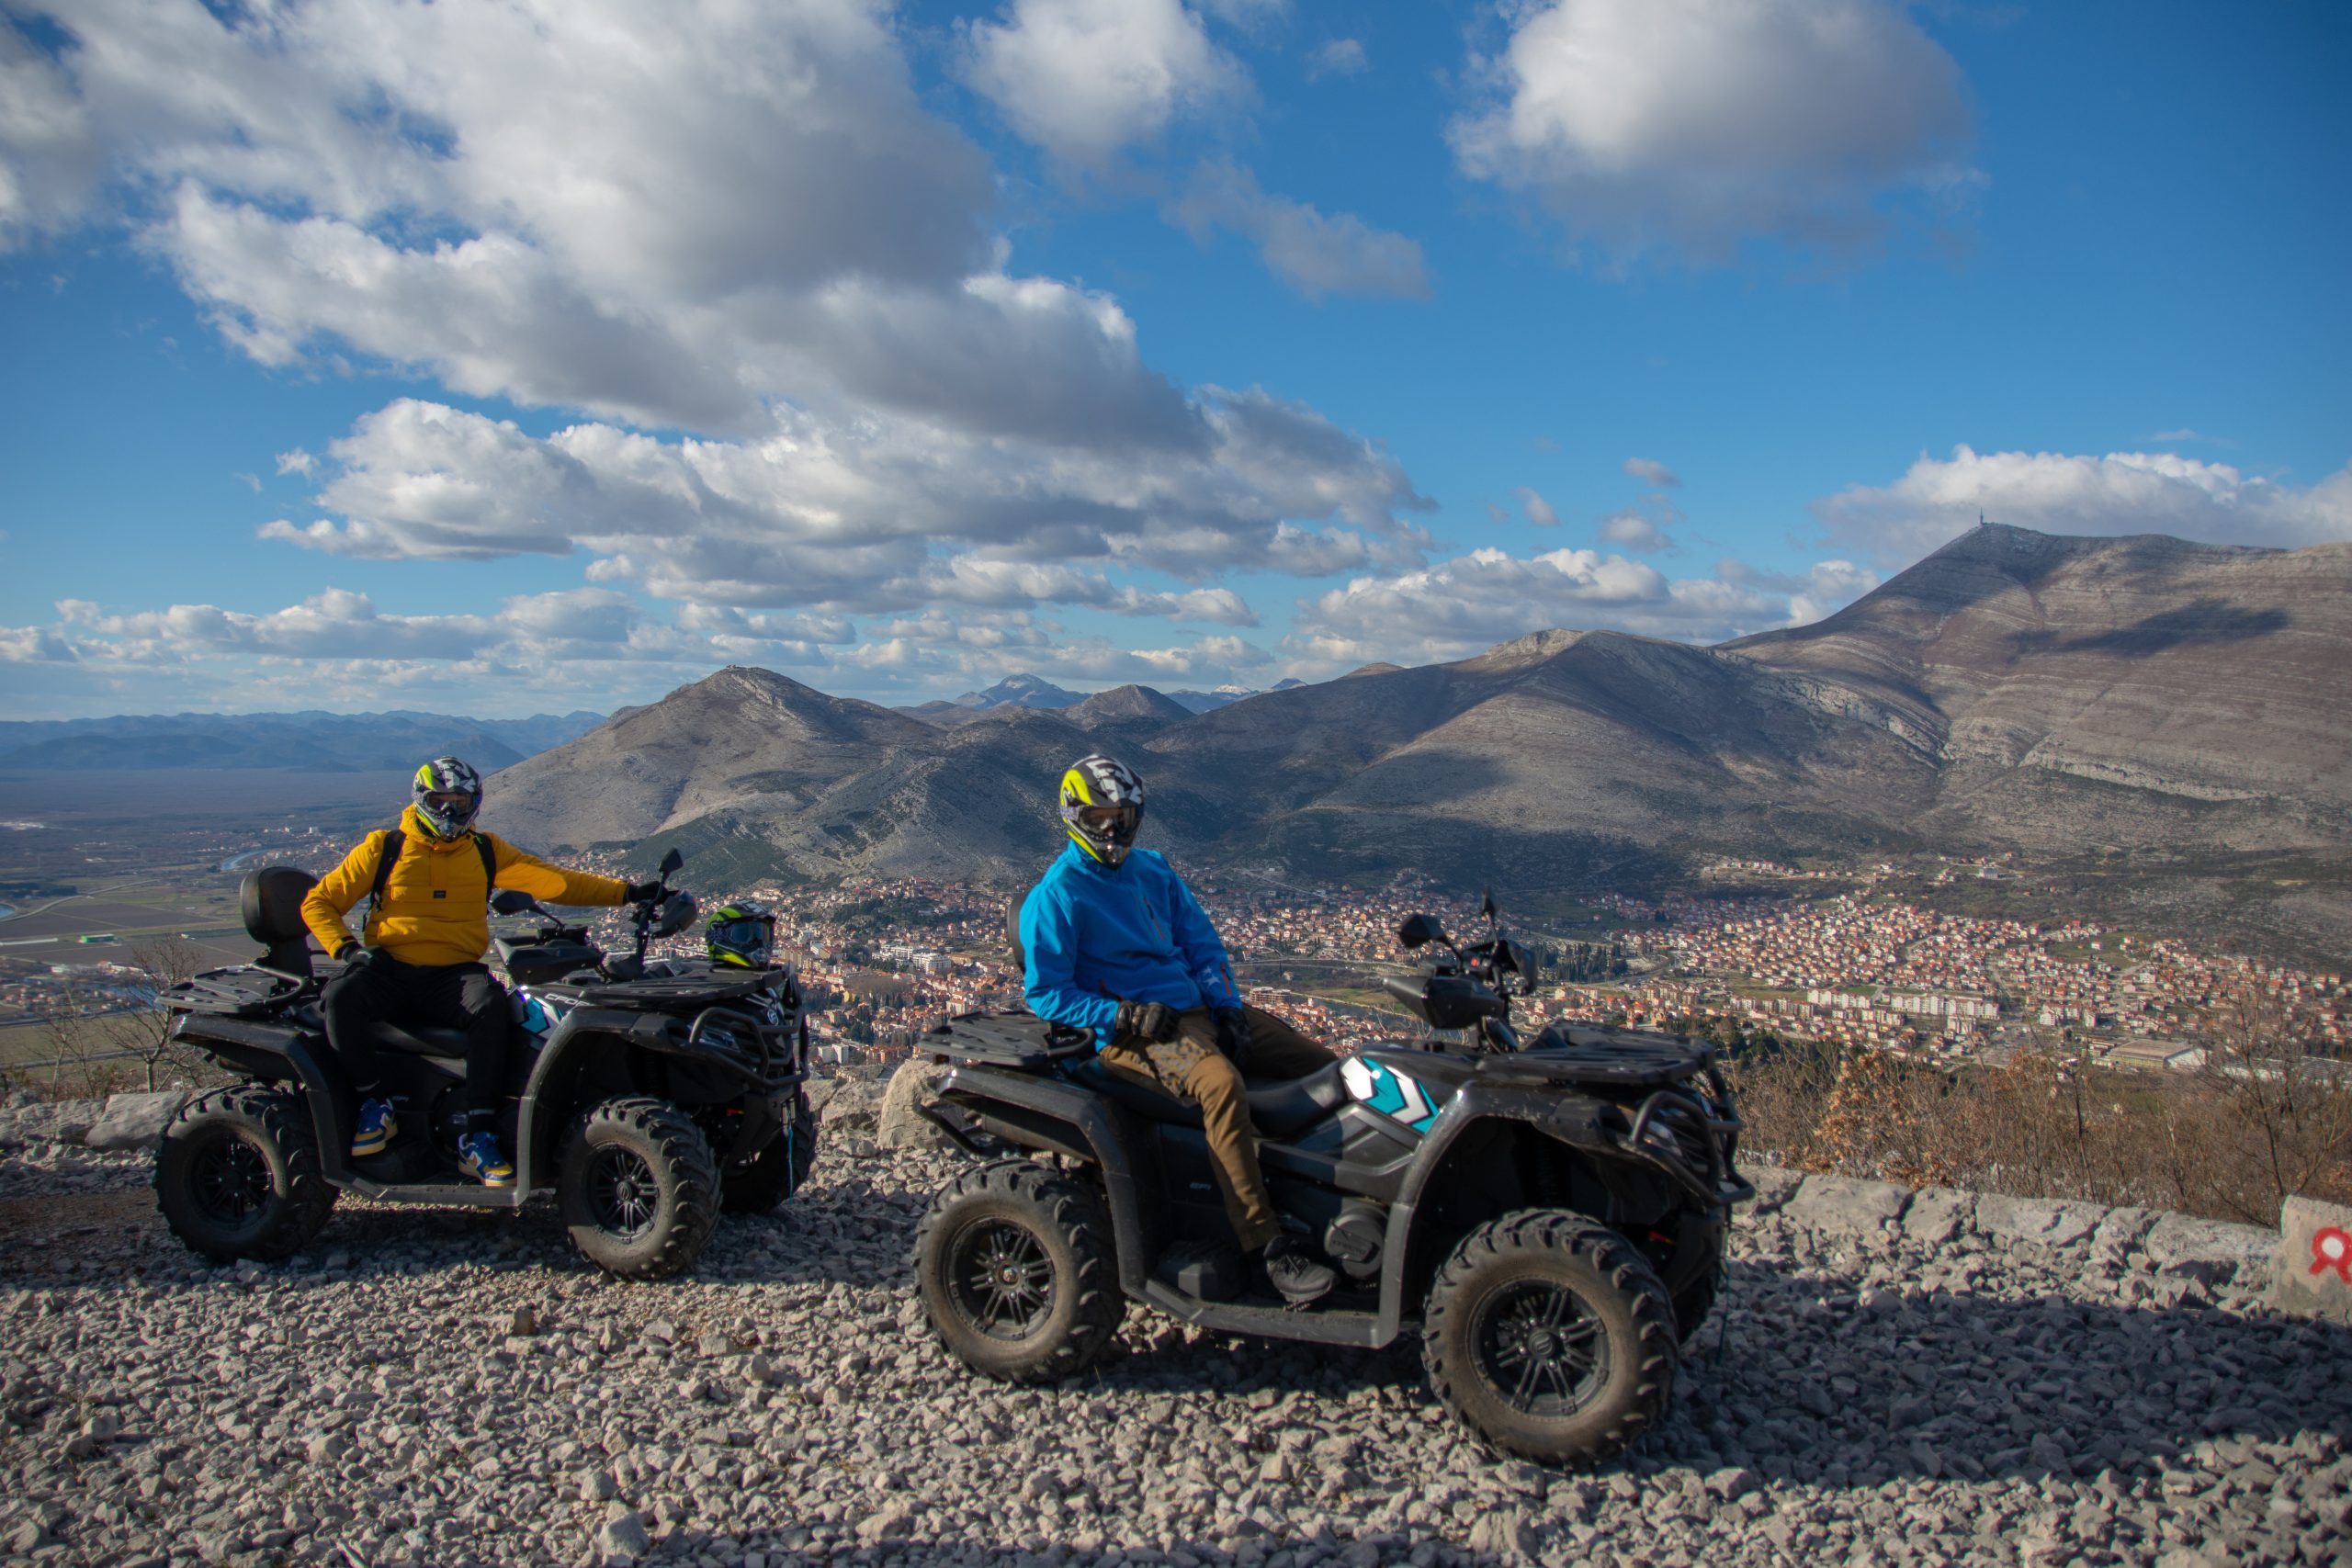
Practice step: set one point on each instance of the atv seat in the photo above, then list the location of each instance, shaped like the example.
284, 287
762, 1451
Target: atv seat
1277, 1110
445, 1043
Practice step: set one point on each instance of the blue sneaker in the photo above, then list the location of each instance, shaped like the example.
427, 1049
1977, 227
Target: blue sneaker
480, 1156
378, 1127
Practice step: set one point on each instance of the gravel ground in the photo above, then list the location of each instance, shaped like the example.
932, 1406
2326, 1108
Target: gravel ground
450, 1387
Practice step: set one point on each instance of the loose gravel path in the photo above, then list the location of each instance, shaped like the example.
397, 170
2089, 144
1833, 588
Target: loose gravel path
1867, 1399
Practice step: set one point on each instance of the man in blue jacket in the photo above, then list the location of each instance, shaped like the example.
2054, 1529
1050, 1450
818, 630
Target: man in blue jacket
1117, 944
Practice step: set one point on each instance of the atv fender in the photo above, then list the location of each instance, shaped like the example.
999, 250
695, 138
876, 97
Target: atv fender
1591, 1126
568, 1058
280, 1053
1065, 1120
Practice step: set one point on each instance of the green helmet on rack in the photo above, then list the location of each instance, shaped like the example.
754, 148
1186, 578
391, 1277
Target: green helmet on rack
741, 936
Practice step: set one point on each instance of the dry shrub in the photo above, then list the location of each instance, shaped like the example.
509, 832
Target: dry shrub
101, 1044
2266, 1117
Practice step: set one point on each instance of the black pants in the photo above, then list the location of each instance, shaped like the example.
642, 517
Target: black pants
447, 996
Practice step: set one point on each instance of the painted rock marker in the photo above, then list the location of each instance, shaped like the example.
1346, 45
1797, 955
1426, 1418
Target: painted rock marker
2313, 1274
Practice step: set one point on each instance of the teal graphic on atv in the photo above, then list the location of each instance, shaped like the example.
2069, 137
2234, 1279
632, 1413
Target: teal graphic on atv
1549, 1213
1389, 1091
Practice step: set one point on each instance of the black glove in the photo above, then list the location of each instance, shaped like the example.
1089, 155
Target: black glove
1155, 1021
353, 955
1233, 1035
641, 892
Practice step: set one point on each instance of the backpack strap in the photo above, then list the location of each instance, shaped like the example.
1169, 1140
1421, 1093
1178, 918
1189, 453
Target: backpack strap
387, 857
390, 855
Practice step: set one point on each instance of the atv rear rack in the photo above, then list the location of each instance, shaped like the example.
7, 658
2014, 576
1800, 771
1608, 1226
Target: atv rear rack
1019, 1039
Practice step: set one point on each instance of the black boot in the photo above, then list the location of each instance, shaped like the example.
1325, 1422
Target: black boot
1293, 1271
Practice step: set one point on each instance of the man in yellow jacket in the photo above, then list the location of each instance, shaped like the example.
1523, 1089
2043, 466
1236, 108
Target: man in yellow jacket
418, 958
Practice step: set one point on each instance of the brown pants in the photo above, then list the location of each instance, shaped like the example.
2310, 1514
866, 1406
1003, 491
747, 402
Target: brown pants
1191, 1067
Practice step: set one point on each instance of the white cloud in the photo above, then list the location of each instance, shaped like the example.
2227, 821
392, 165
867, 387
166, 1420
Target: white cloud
1314, 254
1455, 608
1634, 531
1539, 511
1653, 473
34, 645
1695, 124
1337, 57
877, 516
1083, 79
2123, 492
55, 158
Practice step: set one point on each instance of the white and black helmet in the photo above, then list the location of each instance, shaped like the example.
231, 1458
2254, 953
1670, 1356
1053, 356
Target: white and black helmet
1102, 806
447, 794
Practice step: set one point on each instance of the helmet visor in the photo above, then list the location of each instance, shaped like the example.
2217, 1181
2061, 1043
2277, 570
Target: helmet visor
455, 804
1112, 824
749, 938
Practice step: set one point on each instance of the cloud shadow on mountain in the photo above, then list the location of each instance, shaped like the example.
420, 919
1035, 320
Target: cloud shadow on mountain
2202, 621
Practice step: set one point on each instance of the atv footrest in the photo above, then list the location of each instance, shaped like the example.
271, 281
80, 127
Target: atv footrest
465, 1195
1318, 1325
1210, 1271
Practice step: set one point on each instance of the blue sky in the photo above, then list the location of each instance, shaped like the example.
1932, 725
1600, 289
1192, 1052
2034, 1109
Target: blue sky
525, 357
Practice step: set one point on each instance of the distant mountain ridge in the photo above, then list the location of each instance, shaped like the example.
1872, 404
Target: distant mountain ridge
2140, 698
1035, 691
304, 742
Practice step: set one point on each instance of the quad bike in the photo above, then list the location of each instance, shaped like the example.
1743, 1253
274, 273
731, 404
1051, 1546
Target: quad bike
645, 1096
1551, 1215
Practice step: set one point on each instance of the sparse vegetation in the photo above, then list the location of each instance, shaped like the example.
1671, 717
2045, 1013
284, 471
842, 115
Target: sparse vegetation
2268, 1115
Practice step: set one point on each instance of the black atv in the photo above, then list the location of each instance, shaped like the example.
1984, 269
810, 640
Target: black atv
1551, 1215
645, 1096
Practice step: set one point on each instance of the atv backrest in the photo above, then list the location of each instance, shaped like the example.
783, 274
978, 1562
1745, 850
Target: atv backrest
271, 901
1013, 930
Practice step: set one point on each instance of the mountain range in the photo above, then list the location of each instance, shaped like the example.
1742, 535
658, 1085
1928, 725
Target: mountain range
304, 742
2116, 704
1026, 690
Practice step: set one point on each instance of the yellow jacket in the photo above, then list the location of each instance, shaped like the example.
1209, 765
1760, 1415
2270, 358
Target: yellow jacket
435, 909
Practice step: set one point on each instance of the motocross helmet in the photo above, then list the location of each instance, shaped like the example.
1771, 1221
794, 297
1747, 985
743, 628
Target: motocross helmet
741, 936
447, 794
1102, 806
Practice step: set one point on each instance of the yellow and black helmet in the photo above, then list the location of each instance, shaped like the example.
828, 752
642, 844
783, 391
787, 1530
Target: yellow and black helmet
447, 794
741, 936
1102, 806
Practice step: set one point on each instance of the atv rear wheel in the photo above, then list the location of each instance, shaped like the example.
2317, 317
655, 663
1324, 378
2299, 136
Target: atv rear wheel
779, 1170
237, 1175
638, 1187
1550, 1336
1016, 1271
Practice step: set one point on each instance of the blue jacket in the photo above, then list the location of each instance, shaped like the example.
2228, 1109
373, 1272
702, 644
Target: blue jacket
1097, 936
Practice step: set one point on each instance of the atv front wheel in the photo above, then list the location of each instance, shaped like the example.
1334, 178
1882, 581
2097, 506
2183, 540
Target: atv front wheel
1696, 1298
638, 1187
1017, 1273
237, 1175
779, 1170
1550, 1338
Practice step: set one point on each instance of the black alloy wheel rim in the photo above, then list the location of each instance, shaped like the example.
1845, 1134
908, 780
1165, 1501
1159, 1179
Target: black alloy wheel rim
622, 1192
1541, 1348
1000, 1278
230, 1180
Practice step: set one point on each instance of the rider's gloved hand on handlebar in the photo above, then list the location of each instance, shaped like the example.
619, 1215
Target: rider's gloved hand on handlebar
1233, 1036
1155, 1021
641, 892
